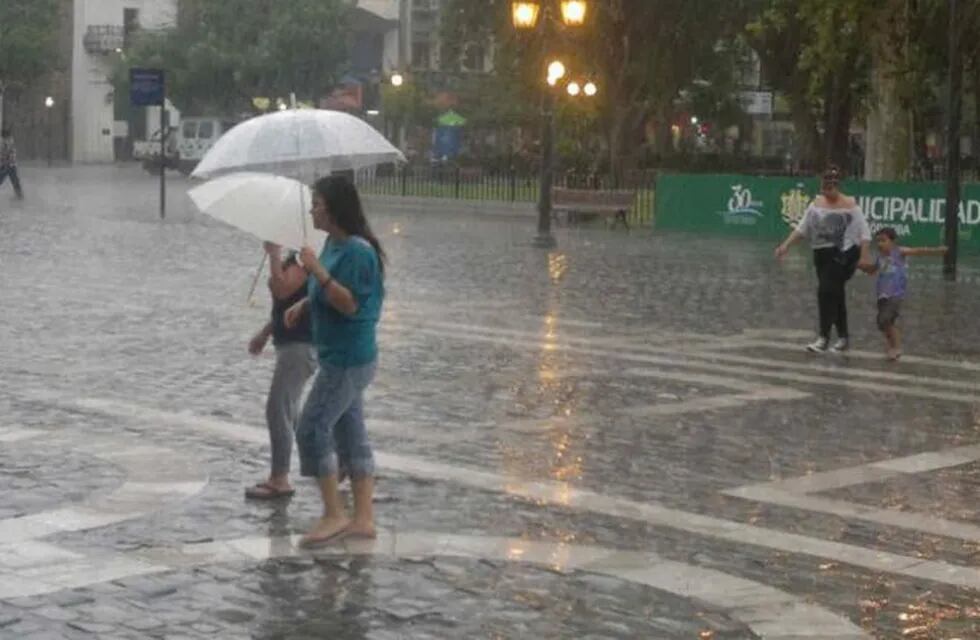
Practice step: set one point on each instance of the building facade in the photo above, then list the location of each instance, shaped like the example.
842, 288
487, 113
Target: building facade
84, 121
101, 31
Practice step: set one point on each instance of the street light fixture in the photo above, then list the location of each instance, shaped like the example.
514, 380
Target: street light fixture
556, 71
574, 89
573, 12
525, 14
590, 89
397, 80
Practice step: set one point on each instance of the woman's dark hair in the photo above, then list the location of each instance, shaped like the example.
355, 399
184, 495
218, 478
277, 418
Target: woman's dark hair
344, 205
832, 174
888, 232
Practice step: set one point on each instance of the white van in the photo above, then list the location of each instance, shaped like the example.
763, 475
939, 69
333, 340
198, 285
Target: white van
196, 136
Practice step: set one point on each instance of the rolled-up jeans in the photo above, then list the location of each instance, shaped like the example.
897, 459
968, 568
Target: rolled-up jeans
334, 413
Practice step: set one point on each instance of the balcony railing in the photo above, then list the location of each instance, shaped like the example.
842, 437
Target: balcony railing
104, 38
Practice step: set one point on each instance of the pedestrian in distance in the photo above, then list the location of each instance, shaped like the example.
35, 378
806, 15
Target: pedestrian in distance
295, 364
344, 298
840, 239
8, 161
891, 268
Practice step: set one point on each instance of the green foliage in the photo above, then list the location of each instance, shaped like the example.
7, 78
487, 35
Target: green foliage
28, 40
508, 107
642, 54
817, 52
408, 104
226, 52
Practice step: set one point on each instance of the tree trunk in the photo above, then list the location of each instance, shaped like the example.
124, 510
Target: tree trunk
837, 127
624, 135
976, 113
920, 150
664, 140
887, 154
808, 154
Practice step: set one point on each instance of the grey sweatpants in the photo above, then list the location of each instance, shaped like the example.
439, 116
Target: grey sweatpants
295, 363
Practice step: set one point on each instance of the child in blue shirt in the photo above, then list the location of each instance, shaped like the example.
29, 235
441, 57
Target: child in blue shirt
892, 269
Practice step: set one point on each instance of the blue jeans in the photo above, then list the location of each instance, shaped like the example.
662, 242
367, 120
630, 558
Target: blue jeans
11, 172
331, 433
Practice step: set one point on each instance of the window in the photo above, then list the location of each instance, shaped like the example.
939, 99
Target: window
189, 130
473, 58
422, 55
206, 131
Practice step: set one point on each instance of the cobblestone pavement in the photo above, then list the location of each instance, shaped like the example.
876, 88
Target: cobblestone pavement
618, 439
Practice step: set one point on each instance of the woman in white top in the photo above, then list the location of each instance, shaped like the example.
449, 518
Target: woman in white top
840, 239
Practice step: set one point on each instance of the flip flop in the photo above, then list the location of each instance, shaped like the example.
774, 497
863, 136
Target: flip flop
263, 491
337, 536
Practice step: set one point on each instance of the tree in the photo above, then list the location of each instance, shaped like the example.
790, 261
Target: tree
642, 54
839, 60
646, 56
224, 53
908, 48
28, 48
816, 53
889, 126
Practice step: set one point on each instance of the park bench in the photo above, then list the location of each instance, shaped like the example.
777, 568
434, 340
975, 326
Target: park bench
609, 204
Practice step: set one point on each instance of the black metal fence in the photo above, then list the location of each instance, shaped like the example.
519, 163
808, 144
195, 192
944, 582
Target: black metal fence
505, 186
465, 183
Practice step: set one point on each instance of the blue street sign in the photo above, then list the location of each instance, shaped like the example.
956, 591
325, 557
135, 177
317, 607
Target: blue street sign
146, 87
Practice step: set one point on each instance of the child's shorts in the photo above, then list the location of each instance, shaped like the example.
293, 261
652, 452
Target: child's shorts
888, 311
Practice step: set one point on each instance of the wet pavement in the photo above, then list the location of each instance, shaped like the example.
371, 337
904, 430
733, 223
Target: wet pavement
618, 439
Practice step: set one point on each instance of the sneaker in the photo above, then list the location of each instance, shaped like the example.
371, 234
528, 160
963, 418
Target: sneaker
841, 345
818, 346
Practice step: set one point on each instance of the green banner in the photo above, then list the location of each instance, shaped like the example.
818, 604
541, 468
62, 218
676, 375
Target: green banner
767, 208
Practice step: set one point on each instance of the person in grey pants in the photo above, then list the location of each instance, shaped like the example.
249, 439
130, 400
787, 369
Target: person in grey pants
295, 364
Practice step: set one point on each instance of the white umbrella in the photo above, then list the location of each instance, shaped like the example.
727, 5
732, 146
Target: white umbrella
263, 205
299, 143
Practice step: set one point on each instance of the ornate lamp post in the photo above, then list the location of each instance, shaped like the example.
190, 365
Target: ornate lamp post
539, 17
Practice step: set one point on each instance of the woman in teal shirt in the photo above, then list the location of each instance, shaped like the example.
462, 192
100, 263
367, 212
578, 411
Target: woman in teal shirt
344, 295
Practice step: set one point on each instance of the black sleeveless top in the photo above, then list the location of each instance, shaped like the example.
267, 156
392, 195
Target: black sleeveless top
301, 332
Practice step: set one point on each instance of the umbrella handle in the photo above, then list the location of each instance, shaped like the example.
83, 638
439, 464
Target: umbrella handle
302, 211
258, 274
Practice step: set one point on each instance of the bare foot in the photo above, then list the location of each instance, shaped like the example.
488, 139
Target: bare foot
324, 531
363, 530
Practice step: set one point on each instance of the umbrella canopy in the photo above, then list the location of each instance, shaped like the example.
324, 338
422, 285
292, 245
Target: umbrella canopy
269, 207
299, 143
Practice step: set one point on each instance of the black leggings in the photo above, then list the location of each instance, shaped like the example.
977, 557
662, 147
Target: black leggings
834, 269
